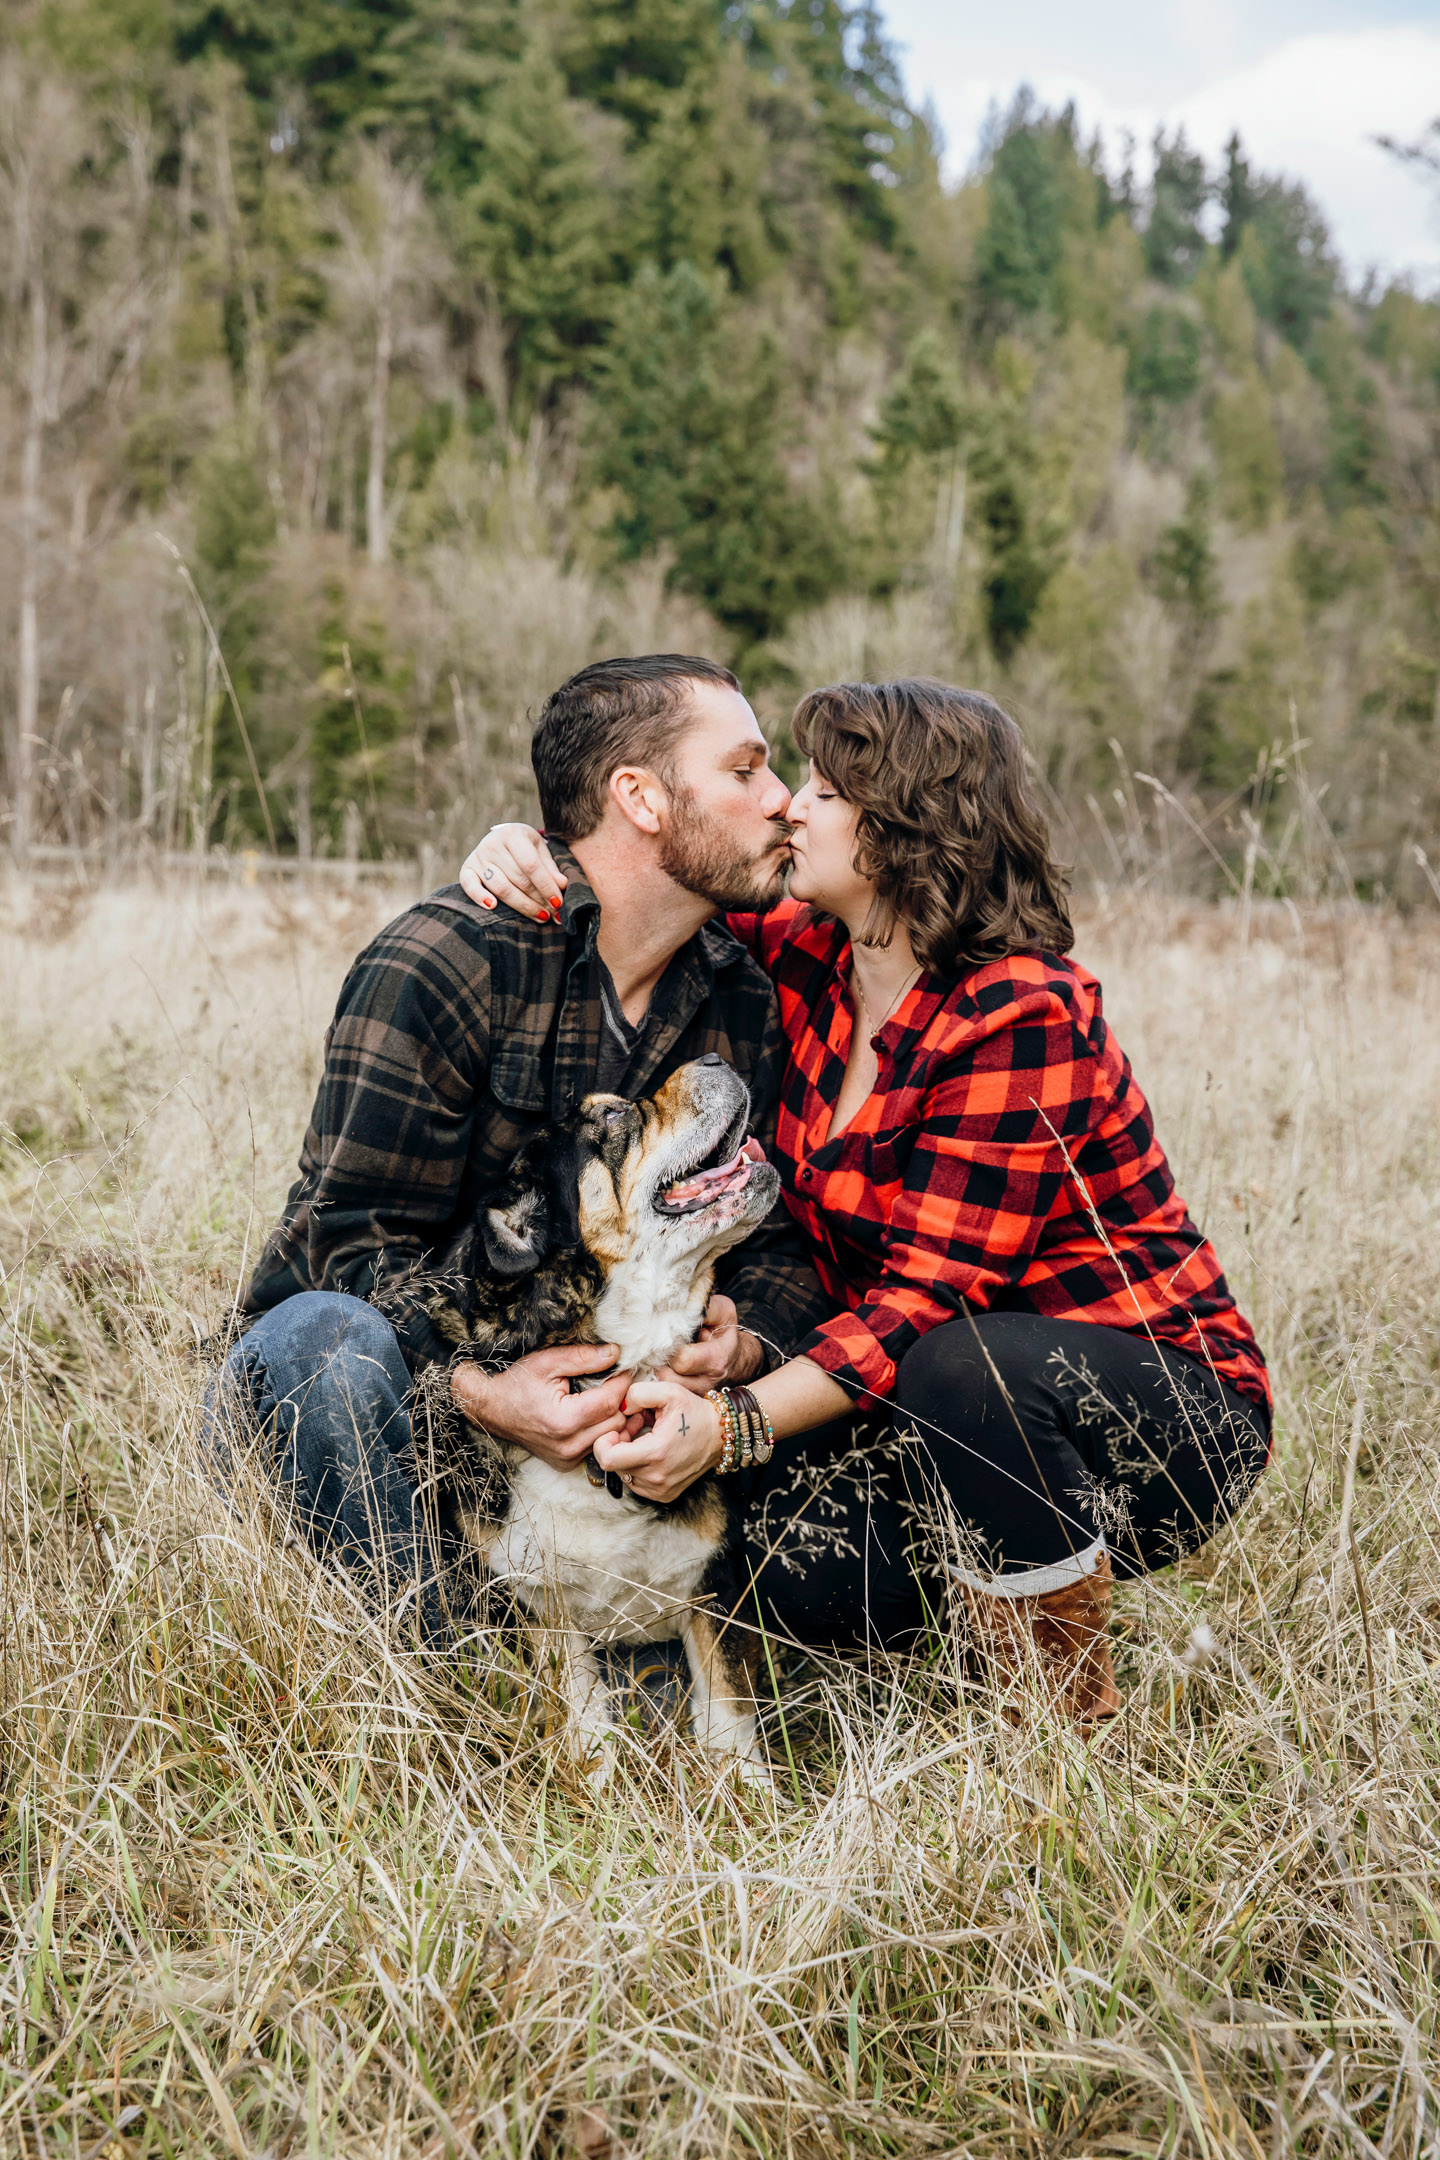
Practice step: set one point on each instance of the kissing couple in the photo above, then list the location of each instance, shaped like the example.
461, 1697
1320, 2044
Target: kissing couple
978, 1248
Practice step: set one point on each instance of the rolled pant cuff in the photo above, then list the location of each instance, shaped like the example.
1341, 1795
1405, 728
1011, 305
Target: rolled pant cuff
1038, 1581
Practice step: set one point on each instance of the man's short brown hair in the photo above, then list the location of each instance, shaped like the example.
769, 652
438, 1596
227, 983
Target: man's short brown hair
614, 712
949, 826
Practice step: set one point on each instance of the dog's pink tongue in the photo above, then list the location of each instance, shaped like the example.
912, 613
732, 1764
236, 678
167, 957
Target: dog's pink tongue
708, 1181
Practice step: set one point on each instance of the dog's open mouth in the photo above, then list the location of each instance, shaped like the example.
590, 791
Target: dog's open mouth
702, 1187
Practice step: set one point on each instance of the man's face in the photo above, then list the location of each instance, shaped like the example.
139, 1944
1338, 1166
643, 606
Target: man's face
726, 836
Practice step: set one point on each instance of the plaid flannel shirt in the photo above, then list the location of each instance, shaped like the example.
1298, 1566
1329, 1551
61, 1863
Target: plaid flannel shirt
458, 1032
1006, 1160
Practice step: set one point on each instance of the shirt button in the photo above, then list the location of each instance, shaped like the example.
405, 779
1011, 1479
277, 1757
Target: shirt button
807, 1175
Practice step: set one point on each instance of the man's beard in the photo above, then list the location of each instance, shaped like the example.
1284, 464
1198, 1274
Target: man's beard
710, 864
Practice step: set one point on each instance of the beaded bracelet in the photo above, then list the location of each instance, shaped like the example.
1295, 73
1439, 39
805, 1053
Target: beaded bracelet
762, 1432
747, 1433
729, 1429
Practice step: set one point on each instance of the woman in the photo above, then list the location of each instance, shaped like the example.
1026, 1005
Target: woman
974, 1165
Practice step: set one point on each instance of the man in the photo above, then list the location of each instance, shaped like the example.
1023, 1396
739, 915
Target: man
461, 1029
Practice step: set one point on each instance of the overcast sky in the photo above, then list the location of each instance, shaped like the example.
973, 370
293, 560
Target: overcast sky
1307, 82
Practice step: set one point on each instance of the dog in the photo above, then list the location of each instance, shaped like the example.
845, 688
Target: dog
607, 1229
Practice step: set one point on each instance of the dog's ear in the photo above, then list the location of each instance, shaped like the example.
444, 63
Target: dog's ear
517, 1232
564, 1164
537, 1210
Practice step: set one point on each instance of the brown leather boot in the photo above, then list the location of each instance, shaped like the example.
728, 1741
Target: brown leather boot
1067, 1630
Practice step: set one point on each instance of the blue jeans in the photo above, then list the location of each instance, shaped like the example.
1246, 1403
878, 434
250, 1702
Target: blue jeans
321, 1382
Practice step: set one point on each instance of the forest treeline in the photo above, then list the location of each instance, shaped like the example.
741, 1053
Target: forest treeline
369, 364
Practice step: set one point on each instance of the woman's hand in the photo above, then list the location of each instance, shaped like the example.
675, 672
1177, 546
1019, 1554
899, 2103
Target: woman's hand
683, 1443
513, 864
722, 1351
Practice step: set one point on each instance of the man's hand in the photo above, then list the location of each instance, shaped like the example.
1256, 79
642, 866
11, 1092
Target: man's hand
532, 1404
722, 1351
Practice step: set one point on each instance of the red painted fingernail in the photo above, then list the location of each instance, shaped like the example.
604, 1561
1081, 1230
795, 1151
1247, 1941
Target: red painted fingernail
543, 916
487, 902
555, 903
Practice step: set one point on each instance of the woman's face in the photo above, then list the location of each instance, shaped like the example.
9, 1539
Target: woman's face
824, 850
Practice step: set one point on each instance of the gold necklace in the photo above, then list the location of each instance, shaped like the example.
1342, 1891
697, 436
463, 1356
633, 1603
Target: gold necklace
912, 977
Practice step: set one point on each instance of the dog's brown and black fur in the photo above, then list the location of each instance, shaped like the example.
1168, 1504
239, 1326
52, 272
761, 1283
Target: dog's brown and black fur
608, 1228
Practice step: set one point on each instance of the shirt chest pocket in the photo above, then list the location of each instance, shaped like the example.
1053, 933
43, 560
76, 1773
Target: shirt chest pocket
518, 1080
861, 1186
884, 1166
882, 1158
517, 1106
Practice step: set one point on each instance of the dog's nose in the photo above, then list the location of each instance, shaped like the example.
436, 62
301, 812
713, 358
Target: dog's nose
711, 1057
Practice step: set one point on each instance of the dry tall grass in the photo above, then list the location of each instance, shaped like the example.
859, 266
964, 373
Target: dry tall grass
273, 1886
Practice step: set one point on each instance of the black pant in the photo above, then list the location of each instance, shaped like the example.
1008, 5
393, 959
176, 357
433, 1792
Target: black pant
1038, 1437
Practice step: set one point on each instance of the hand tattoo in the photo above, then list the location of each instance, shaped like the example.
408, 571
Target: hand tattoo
684, 1425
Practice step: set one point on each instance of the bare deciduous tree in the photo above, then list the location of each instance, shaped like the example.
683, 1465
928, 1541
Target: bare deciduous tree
75, 306
41, 139
385, 277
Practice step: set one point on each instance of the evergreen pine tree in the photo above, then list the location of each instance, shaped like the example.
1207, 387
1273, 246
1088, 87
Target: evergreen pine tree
863, 120
1186, 573
435, 73
1163, 367
1287, 260
1283, 243
704, 192
926, 412
629, 56
1179, 190
234, 539
1020, 243
537, 225
356, 718
689, 422
1237, 197
1008, 274
319, 55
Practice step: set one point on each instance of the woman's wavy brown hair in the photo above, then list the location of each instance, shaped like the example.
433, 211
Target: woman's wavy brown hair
949, 827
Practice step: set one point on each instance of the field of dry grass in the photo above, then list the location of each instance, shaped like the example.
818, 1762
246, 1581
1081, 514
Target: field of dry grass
269, 1884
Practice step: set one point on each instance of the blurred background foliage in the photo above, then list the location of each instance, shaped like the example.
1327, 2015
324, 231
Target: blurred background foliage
453, 342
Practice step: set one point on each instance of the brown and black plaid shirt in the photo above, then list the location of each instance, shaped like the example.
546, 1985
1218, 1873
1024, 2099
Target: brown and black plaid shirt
458, 1032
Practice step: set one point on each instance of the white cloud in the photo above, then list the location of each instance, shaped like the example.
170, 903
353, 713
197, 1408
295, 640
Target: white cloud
1308, 107
1313, 106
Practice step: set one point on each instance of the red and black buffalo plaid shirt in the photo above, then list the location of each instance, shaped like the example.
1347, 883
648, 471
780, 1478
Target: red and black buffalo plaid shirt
1005, 1160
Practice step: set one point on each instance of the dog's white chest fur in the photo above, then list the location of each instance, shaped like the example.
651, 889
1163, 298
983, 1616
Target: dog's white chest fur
650, 1307
620, 1571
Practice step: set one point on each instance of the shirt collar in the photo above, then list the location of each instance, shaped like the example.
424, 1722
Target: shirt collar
580, 908
722, 948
